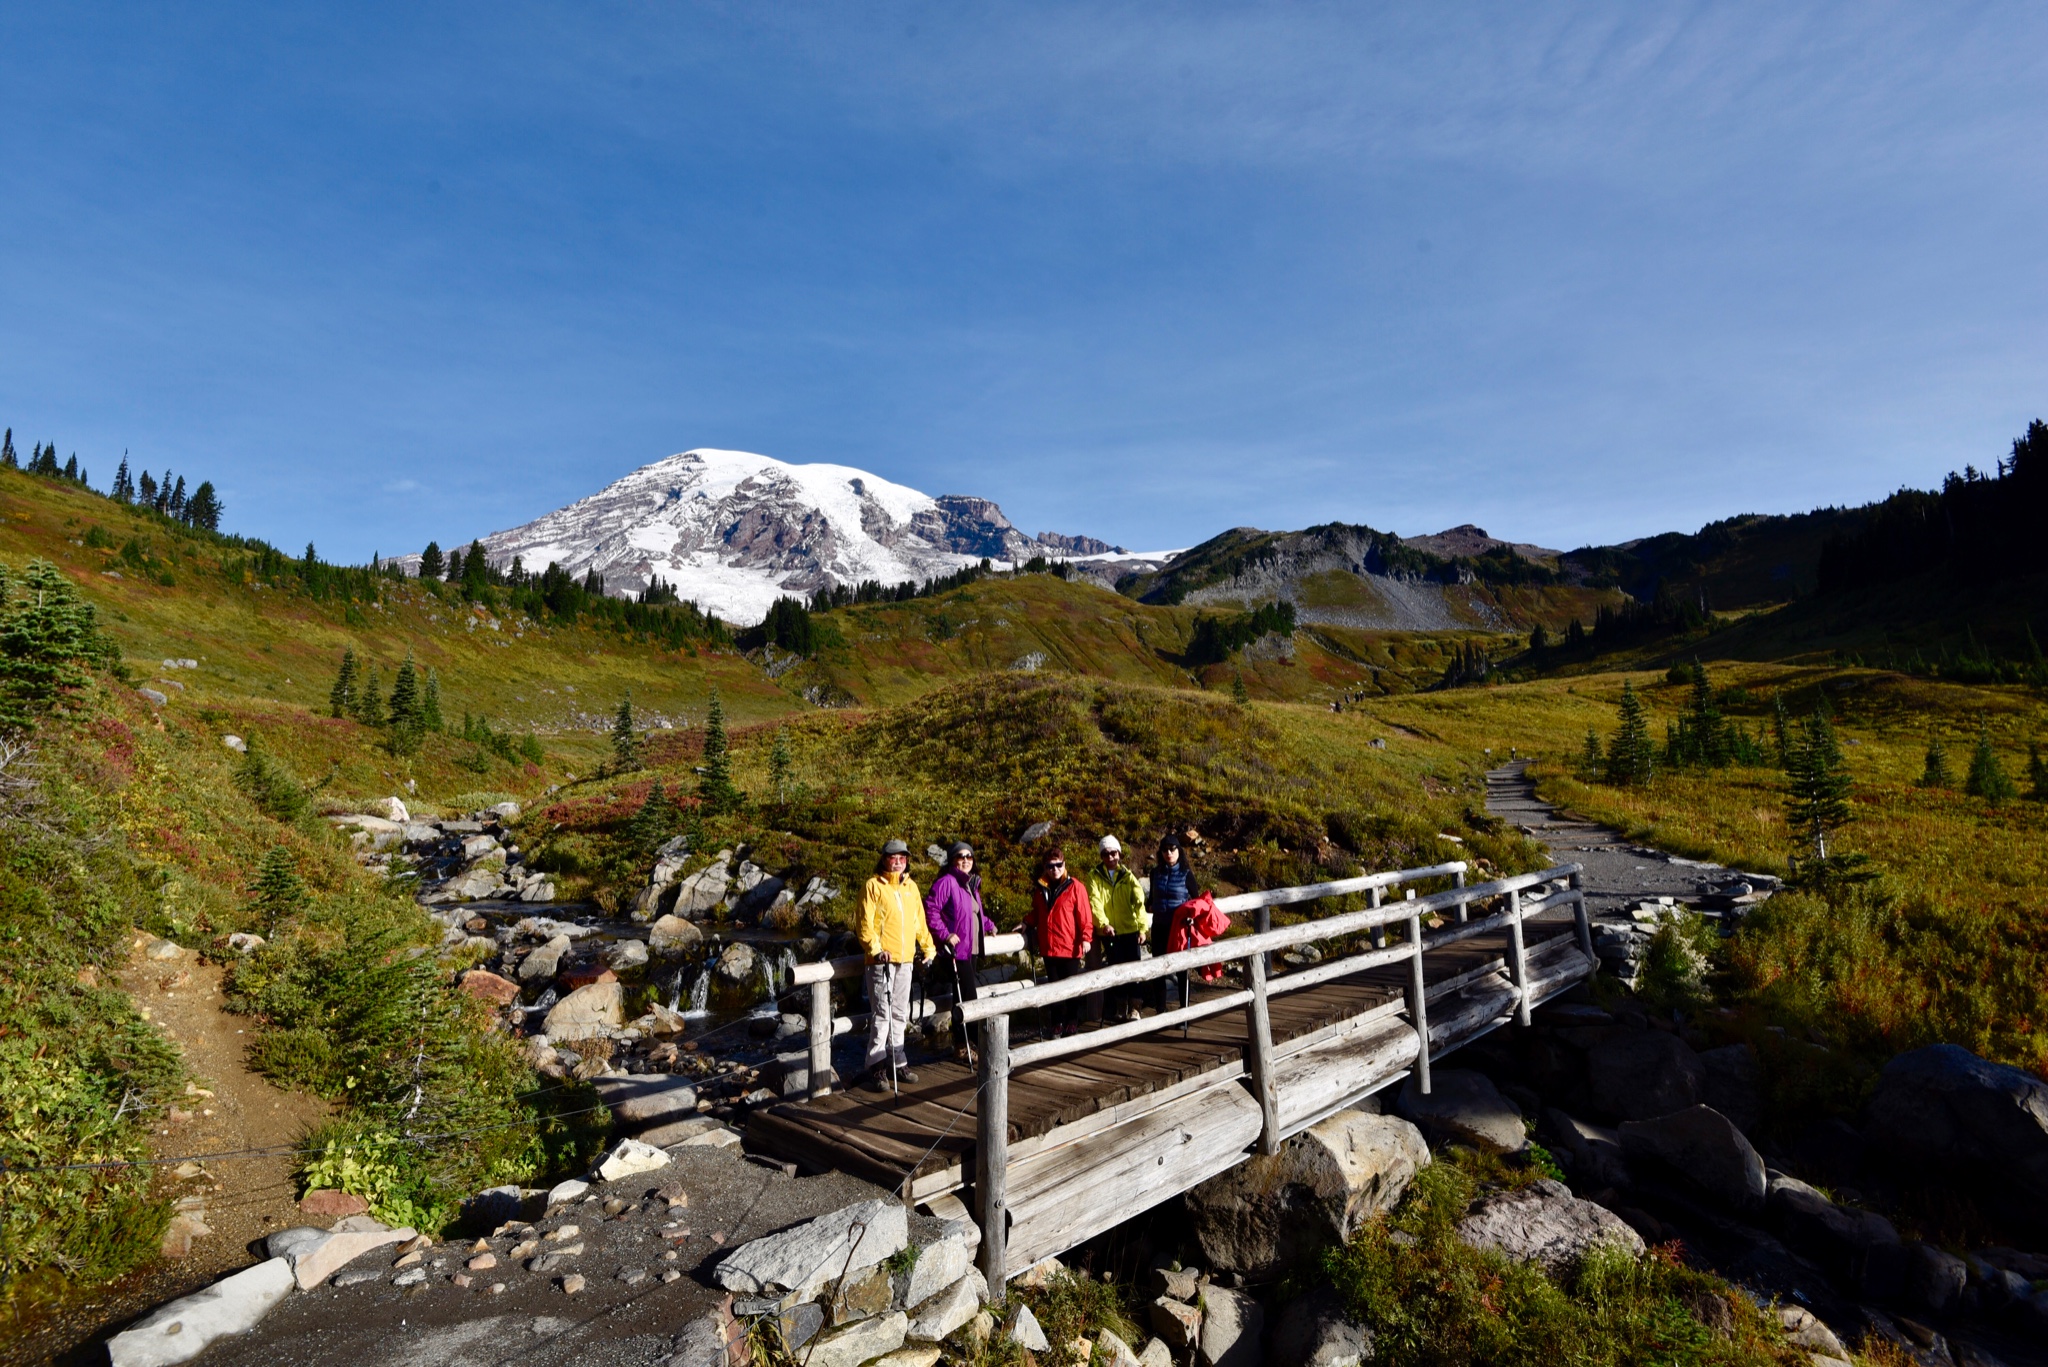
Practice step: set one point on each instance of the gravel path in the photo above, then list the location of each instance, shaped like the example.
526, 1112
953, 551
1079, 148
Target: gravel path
1618, 874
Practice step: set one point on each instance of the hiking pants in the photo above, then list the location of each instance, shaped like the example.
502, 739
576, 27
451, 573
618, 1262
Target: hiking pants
889, 1012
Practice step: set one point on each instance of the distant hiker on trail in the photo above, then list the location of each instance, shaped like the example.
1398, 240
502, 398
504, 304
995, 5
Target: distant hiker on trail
959, 923
1062, 928
893, 931
1173, 882
1120, 919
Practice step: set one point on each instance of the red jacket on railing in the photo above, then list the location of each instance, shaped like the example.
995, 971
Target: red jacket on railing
1196, 922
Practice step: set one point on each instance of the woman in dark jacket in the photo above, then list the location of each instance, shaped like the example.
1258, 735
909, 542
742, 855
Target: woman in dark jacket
1172, 883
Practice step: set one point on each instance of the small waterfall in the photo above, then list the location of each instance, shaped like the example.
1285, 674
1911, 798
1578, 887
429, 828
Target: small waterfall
700, 995
768, 980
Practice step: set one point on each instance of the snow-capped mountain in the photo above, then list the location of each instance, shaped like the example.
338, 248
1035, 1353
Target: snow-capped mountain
735, 531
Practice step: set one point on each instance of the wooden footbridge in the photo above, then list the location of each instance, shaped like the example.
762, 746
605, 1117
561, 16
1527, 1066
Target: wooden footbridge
1057, 1140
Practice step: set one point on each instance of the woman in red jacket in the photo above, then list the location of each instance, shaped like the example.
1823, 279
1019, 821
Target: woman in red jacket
1062, 928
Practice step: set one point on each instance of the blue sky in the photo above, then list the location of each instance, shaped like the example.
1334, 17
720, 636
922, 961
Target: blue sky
1575, 273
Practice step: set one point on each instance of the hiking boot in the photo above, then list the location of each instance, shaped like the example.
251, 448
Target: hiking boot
873, 1081
906, 1074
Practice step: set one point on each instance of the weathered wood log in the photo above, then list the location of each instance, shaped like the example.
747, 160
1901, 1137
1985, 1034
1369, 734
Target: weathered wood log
1518, 958
1310, 892
1259, 1056
821, 1038
992, 1147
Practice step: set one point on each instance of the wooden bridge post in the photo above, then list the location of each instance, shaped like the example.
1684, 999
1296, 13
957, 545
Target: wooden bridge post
1464, 907
1379, 933
992, 1149
1264, 922
1584, 922
1518, 961
821, 1039
1259, 1032
1418, 1003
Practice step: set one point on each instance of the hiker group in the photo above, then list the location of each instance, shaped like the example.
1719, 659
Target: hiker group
1078, 920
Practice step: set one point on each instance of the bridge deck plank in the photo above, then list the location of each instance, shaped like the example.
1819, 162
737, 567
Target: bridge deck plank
931, 1125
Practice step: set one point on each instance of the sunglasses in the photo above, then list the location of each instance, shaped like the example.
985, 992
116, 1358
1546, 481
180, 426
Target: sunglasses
1055, 863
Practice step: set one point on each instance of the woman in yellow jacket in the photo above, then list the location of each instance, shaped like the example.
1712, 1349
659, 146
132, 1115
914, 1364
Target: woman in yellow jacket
893, 931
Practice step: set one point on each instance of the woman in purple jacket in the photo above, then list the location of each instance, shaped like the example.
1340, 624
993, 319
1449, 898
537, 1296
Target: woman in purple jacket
954, 912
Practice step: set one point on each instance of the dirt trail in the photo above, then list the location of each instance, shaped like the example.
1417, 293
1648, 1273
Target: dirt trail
1618, 873
239, 1200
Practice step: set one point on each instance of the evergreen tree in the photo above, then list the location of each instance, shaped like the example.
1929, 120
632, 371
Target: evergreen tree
163, 493
431, 563
1237, 692
455, 566
1575, 634
625, 745
405, 697
8, 458
655, 822
1781, 730
204, 509
370, 699
430, 703
1591, 761
1817, 807
71, 468
716, 787
1631, 756
2037, 774
278, 892
1934, 772
342, 699
177, 505
1539, 640
49, 637
312, 559
1988, 778
781, 764
124, 483
147, 493
476, 573
84, 477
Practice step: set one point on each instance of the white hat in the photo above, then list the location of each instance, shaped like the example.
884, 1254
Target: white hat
1110, 842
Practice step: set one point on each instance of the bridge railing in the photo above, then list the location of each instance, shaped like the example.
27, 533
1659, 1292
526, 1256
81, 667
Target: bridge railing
997, 1060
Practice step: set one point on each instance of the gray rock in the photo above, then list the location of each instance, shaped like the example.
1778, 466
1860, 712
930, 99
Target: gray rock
1037, 830
701, 1344
938, 1316
538, 890
629, 1158
759, 897
704, 889
157, 699
1023, 1330
1701, 1147
672, 935
1942, 1109
1464, 1107
1935, 1280
1110, 1351
1314, 1332
1179, 1323
356, 1276
848, 1240
1644, 1075
623, 955
736, 962
1733, 1085
495, 1206
180, 1330
589, 1012
641, 1102
1545, 1223
942, 1262
543, 963
1233, 1325
1155, 1353
290, 1243
1592, 1152
852, 1344
1858, 1248
1806, 1330
1267, 1213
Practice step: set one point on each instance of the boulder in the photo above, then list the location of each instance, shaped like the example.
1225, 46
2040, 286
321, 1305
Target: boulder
942, 1262
1935, 1280
1233, 1326
910, 1355
1545, 1223
236, 744
628, 1158
245, 942
538, 890
1268, 1212
1464, 1107
474, 884
758, 898
1858, 1248
391, 809
1179, 1323
1734, 1085
623, 955
701, 1344
736, 962
489, 987
1943, 1109
937, 1317
1701, 1147
1110, 1351
1643, 1075
560, 1194
495, 1206
505, 811
859, 1341
475, 847
588, 1012
672, 935
646, 1101
1023, 1330
1314, 1332
1592, 1152
180, 1330
704, 889
1155, 1353
316, 1262
1804, 1329
850, 1240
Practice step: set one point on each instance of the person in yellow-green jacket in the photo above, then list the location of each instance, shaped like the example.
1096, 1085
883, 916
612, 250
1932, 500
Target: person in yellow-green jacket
1121, 919
893, 932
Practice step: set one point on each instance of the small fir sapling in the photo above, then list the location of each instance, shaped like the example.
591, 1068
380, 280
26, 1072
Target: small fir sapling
1988, 778
625, 745
341, 699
